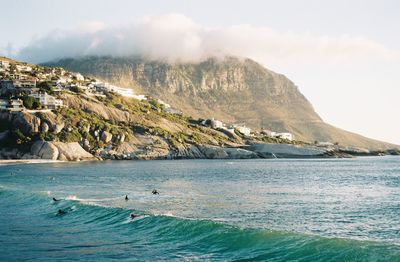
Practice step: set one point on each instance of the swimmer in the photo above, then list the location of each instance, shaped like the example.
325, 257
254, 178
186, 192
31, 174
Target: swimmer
61, 212
155, 192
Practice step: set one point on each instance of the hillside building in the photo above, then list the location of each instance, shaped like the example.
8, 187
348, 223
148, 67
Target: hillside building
11, 105
47, 101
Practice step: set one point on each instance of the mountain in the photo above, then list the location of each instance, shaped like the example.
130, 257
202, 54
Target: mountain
231, 89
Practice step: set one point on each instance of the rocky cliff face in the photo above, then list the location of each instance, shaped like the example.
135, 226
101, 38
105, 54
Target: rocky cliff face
233, 90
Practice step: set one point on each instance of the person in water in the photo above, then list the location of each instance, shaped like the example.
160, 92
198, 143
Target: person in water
55, 200
155, 192
133, 216
126, 197
61, 212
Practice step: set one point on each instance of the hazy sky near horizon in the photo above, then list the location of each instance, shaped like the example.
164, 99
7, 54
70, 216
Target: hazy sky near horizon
343, 55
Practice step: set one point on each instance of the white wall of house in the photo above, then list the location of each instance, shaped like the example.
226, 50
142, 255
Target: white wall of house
287, 136
243, 130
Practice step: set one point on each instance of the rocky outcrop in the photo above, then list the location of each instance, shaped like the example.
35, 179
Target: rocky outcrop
213, 152
72, 152
26, 123
286, 151
240, 153
60, 151
99, 109
54, 123
45, 150
187, 152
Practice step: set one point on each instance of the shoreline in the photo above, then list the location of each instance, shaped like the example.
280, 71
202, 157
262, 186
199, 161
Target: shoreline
49, 161
29, 161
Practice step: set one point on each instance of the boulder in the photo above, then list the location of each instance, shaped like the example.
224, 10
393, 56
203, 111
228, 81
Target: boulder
44, 127
45, 150
214, 152
106, 136
72, 152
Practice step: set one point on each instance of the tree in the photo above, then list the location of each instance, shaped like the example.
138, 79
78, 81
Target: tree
13, 68
46, 87
76, 89
28, 102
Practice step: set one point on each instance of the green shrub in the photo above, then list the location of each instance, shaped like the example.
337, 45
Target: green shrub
46, 87
19, 137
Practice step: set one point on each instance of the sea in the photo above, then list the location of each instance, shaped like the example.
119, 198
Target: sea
206, 210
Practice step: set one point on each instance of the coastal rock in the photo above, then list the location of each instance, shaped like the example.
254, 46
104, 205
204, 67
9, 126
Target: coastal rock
213, 152
10, 153
286, 151
72, 152
353, 150
187, 152
45, 150
239, 153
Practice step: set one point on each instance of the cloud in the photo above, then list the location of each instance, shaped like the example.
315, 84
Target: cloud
175, 37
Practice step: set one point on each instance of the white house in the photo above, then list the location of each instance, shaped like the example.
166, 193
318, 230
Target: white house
24, 68
241, 128
47, 101
140, 97
4, 64
12, 105
126, 92
287, 136
268, 133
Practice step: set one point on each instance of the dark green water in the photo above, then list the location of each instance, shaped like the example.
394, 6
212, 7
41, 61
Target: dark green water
265, 210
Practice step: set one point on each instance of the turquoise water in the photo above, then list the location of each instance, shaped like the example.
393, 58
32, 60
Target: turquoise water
244, 210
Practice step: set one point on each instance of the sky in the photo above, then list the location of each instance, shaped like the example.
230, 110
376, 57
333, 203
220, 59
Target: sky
343, 55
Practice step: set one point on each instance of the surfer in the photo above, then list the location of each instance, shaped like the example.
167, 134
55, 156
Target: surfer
133, 216
126, 197
55, 200
155, 192
61, 212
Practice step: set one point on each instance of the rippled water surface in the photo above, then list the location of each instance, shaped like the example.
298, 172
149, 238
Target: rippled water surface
278, 210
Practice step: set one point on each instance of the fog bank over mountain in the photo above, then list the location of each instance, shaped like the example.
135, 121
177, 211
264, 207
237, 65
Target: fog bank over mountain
177, 38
